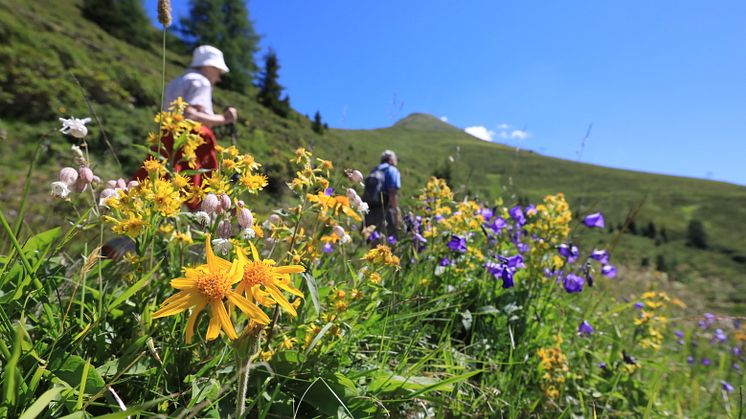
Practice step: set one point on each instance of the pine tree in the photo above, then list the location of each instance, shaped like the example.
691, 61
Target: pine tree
270, 89
317, 125
124, 19
695, 234
225, 24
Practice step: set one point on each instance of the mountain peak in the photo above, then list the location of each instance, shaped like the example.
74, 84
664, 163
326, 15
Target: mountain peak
424, 122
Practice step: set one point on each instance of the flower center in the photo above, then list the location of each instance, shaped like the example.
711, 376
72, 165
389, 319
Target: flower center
213, 286
257, 273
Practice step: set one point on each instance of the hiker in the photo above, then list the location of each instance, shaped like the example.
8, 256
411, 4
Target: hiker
195, 87
381, 194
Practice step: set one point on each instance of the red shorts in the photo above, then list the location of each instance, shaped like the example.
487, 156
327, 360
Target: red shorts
206, 159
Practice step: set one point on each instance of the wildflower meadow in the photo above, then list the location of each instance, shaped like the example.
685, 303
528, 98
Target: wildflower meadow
205, 307
183, 292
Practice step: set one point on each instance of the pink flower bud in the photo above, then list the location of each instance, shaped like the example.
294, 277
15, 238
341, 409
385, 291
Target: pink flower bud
225, 202
225, 229
80, 185
210, 204
86, 174
96, 179
245, 219
68, 176
121, 184
240, 204
133, 184
104, 195
112, 184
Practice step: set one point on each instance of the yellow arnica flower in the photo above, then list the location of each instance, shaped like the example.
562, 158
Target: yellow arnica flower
207, 286
262, 281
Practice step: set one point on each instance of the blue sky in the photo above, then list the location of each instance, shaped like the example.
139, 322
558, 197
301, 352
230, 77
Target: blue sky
662, 82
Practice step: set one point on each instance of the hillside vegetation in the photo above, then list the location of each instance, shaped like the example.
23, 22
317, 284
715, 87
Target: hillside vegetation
52, 61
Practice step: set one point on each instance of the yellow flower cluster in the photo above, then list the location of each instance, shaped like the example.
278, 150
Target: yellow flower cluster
145, 204
554, 369
381, 255
184, 132
552, 223
651, 321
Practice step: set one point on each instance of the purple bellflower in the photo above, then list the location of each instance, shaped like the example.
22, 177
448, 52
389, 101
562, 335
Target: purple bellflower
601, 255
573, 283
585, 328
569, 252
516, 213
608, 271
594, 220
457, 244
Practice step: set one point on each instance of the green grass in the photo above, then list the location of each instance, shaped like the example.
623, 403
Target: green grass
45, 46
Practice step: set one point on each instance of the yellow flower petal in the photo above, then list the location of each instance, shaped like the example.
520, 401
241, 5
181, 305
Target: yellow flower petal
213, 329
192, 320
290, 269
281, 300
225, 320
251, 310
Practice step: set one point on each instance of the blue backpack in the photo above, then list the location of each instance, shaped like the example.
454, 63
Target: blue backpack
374, 194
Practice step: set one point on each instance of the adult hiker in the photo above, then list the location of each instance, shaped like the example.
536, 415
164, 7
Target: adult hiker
382, 195
194, 87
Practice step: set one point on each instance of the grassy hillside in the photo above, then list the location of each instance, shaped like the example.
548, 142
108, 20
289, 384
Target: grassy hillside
55, 63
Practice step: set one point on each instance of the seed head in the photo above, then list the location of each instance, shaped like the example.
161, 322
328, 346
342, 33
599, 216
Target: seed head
164, 13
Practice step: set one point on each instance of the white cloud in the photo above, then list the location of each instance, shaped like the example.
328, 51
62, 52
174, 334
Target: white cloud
480, 132
518, 134
503, 126
444, 118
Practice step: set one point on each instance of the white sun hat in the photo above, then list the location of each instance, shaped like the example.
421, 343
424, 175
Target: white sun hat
207, 55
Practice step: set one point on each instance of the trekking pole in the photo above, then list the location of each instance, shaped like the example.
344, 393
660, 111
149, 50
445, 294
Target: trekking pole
232, 131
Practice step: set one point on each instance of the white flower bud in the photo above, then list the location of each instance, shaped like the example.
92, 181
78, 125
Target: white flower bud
248, 233
245, 218
339, 231
111, 184
85, 174
60, 190
121, 184
68, 176
356, 176
132, 184
75, 127
345, 239
202, 218
96, 179
210, 204
225, 202
272, 220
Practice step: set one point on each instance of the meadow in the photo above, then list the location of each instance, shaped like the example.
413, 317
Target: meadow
519, 286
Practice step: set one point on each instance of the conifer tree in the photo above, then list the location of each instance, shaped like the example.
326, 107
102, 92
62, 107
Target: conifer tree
270, 89
225, 24
317, 125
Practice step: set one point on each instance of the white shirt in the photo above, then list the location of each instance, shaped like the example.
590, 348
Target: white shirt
193, 87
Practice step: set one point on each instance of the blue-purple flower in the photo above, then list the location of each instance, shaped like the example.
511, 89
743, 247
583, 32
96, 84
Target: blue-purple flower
594, 220
679, 334
457, 244
706, 362
374, 236
391, 240
639, 305
608, 271
445, 262
328, 248
486, 213
602, 365
569, 252
573, 283
585, 328
516, 213
329, 191
690, 359
726, 386
497, 225
600, 255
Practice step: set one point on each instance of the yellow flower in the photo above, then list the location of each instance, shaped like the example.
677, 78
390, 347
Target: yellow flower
382, 254
154, 166
207, 286
262, 280
253, 182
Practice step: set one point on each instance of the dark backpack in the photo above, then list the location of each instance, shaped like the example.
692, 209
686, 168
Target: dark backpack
374, 194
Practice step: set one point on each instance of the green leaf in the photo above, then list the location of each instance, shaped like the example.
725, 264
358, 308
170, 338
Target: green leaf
41, 403
71, 372
133, 289
11, 373
318, 337
314, 291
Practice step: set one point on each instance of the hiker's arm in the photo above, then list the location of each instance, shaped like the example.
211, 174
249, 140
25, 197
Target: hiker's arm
196, 114
394, 206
